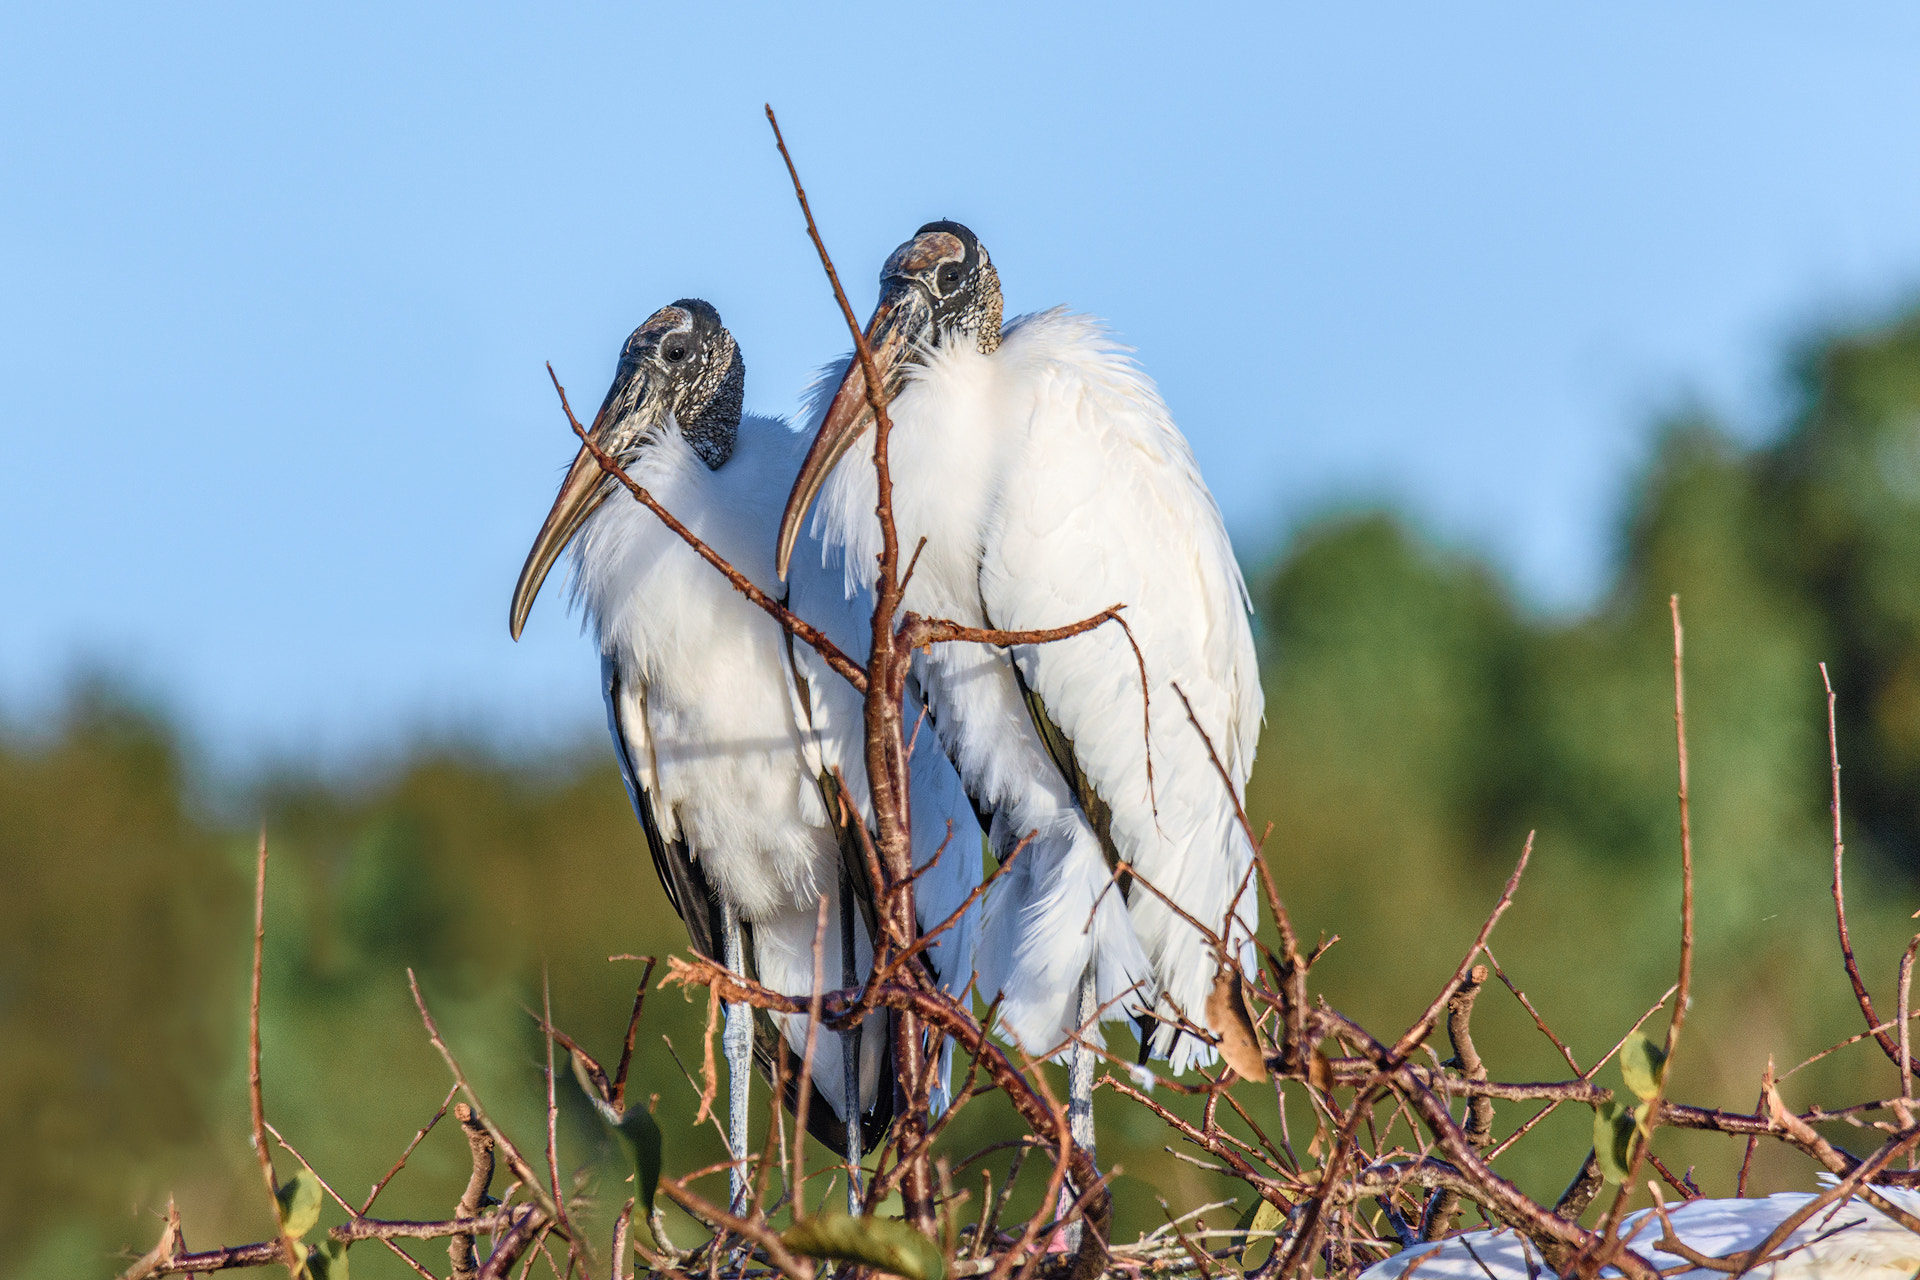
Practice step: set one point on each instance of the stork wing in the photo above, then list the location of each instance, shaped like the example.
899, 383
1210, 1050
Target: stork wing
1106, 506
686, 884
687, 889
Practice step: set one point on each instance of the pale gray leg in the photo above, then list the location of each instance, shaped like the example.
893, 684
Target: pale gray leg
1080, 1063
736, 1041
850, 1046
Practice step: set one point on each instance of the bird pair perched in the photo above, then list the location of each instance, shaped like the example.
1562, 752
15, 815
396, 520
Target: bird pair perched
1041, 478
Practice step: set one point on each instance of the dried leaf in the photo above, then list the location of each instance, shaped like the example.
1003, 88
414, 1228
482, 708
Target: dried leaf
1319, 1071
1227, 1017
884, 1243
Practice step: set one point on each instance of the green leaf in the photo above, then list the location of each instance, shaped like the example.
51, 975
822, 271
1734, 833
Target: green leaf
638, 1131
878, 1242
1613, 1139
328, 1260
1644, 1064
1614, 1128
643, 1135
299, 1198
1260, 1216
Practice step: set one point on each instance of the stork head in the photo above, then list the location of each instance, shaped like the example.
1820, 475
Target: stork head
938, 287
680, 374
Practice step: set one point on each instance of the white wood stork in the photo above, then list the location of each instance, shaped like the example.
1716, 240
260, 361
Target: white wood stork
1853, 1241
721, 753
1049, 482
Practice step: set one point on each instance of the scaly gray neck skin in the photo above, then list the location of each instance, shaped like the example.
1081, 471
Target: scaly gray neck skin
983, 316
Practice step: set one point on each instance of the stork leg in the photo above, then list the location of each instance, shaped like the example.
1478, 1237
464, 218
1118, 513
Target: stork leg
736, 1041
850, 1047
1080, 1063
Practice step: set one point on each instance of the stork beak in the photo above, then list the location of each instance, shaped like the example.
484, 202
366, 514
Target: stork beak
581, 493
896, 325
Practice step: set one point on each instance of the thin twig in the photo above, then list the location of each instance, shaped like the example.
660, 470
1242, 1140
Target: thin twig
829, 652
401, 1163
1865, 1001
256, 1106
804, 1094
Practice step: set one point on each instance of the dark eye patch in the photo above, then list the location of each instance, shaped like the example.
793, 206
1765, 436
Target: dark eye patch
948, 276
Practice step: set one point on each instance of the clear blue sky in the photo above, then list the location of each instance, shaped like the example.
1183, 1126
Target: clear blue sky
277, 282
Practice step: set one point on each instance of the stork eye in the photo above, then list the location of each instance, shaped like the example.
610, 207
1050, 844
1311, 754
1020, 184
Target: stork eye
948, 277
675, 352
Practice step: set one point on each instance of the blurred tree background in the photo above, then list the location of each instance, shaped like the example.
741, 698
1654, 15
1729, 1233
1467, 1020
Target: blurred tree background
1420, 722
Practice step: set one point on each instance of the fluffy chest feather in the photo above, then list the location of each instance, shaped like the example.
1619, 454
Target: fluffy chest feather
721, 744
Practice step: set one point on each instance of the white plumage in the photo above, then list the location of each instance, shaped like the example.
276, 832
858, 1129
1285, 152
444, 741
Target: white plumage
1050, 482
701, 699
1853, 1241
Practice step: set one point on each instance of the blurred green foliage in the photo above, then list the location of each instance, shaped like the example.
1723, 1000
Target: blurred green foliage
1421, 721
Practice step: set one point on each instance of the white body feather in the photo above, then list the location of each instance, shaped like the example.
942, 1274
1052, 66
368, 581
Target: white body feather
708, 731
1050, 482
1860, 1243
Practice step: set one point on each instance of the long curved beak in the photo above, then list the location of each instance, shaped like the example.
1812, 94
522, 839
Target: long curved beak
896, 325
581, 493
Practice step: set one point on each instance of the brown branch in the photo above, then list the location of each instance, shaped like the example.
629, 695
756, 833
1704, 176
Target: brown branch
886, 758
829, 652
515, 1161
917, 632
758, 1233
940, 1011
480, 1147
1214, 1143
622, 1225
709, 1073
267, 1252
553, 1121
518, 1239
1534, 1013
1610, 1225
1845, 1187
401, 1163
1446, 1203
154, 1261
340, 1200
619, 1096
1588, 1074
1003, 1265
256, 1105
804, 1092
929, 936
1558, 1239
1423, 1027
1860, 996
1351, 1072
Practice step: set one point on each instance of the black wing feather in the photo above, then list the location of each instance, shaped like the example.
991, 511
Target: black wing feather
686, 886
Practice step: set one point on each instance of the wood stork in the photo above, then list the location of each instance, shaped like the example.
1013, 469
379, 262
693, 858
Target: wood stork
1853, 1241
721, 752
1049, 482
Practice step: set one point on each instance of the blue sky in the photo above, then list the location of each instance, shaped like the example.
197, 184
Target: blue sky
277, 283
